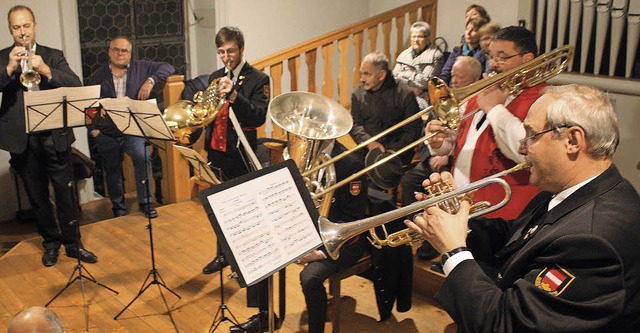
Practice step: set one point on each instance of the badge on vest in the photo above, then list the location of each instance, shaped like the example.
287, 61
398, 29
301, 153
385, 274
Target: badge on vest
355, 187
554, 280
266, 89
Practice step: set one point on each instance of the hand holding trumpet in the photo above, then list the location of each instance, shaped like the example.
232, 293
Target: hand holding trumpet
444, 231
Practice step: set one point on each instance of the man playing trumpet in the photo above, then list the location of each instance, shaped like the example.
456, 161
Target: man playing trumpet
569, 262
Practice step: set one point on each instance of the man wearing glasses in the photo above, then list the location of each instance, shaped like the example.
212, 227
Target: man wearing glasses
569, 262
488, 142
134, 79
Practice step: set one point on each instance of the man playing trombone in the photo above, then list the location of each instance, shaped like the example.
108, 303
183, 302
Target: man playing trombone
488, 142
569, 261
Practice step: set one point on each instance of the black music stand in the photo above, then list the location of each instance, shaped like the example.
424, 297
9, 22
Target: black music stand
142, 119
202, 170
60, 109
265, 220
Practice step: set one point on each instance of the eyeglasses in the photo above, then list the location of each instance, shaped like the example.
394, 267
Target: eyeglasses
501, 59
418, 37
527, 141
118, 50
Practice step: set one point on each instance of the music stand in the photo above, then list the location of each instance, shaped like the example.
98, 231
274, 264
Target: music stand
264, 220
141, 119
64, 108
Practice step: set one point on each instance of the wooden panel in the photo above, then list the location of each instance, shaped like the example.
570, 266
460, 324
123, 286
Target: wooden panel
372, 36
413, 17
399, 37
310, 60
343, 76
327, 79
386, 39
358, 40
294, 67
276, 76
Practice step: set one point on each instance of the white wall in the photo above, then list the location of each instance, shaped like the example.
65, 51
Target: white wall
58, 28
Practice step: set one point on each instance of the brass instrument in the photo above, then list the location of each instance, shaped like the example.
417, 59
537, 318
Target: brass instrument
335, 235
29, 77
445, 103
187, 118
312, 122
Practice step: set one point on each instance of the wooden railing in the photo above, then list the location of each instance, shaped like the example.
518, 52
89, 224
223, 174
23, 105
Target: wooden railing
393, 24
388, 27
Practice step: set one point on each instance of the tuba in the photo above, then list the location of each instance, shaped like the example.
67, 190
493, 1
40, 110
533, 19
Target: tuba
29, 77
312, 122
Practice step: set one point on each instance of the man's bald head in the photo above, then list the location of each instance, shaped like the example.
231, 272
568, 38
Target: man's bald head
36, 319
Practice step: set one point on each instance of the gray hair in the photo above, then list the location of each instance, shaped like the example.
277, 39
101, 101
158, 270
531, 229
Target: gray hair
378, 60
421, 26
589, 108
473, 66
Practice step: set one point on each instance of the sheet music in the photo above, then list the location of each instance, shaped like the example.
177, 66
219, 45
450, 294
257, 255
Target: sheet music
265, 223
200, 167
44, 108
148, 120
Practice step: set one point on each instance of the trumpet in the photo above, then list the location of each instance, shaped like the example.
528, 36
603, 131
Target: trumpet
335, 235
29, 77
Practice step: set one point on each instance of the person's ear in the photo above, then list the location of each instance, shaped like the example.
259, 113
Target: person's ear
576, 139
528, 57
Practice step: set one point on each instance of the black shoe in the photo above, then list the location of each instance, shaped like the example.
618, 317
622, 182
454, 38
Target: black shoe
118, 213
215, 265
437, 267
149, 212
86, 256
50, 257
426, 251
257, 323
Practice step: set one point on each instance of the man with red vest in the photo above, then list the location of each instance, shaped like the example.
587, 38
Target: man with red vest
488, 142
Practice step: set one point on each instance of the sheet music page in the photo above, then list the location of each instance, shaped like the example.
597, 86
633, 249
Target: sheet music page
149, 122
265, 223
201, 168
44, 108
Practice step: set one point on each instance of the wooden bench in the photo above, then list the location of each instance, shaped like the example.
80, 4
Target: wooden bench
361, 266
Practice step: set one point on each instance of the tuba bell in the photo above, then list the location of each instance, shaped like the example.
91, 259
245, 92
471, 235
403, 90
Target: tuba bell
312, 122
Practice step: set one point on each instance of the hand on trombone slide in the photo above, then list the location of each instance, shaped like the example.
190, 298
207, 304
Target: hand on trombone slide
444, 231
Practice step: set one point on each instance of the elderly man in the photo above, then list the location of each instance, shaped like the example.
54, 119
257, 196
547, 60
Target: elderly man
569, 262
134, 79
420, 62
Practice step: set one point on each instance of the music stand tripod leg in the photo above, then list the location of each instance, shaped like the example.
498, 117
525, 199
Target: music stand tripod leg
221, 309
153, 272
79, 267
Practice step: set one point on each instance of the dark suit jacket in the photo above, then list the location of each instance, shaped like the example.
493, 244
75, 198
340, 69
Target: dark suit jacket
13, 136
577, 271
250, 106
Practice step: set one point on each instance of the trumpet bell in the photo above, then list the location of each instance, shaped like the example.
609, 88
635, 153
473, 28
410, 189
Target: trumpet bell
445, 104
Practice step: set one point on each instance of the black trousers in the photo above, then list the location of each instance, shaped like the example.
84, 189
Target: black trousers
37, 166
315, 273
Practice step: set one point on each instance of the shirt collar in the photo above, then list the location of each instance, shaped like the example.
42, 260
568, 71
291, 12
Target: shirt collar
236, 71
558, 198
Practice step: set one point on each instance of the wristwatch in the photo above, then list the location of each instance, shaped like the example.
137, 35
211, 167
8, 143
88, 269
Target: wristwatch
449, 254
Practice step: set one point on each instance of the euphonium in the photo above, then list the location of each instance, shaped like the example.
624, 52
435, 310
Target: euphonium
335, 235
187, 118
29, 77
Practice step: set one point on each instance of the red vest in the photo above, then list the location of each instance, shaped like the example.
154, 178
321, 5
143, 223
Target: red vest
488, 160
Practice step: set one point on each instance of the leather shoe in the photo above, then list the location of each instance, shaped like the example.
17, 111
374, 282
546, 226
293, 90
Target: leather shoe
50, 257
426, 251
86, 256
215, 265
257, 323
149, 212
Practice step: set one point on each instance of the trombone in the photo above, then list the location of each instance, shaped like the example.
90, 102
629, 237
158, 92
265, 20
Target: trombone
445, 103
